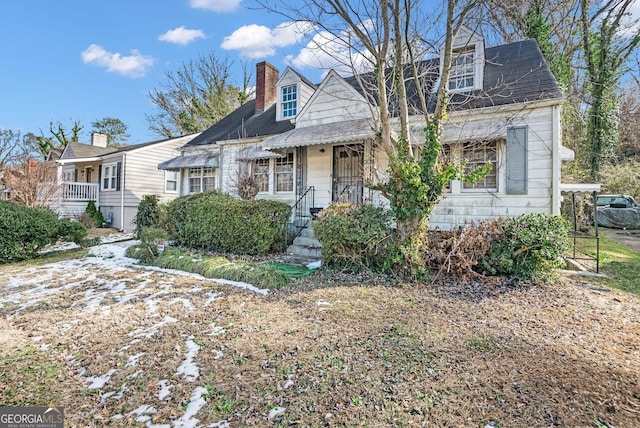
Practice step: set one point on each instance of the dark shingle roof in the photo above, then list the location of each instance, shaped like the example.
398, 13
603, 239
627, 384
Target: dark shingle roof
513, 73
243, 123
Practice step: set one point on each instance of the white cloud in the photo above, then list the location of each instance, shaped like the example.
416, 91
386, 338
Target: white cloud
216, 5
327, 51
134, 65
181, 36
257, 41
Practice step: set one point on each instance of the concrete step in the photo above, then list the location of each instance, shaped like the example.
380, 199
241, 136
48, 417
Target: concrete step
304, 251
306, 241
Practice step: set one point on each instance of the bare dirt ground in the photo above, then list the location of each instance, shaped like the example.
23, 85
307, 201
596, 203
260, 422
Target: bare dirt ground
119, 345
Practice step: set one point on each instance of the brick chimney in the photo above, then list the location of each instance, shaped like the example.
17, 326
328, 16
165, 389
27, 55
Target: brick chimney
266, 81
98, 140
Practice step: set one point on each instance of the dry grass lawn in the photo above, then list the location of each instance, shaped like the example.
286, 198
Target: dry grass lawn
123, 346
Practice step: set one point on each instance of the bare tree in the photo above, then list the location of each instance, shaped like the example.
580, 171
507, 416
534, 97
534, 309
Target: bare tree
387, 37
196, 96
33, 183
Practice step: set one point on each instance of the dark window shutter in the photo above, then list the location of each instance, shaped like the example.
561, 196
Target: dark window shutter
75, 175
119, 176
516, 162
100, 185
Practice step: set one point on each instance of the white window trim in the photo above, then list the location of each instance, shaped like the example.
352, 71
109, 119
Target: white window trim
457, 186
113, 168
167, 180
272, 184
478, 66
201, 178
282, 102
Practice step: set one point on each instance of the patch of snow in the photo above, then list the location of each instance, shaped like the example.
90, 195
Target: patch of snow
314, 265
211, 297
276, 411
37, 338
217, 355
165, 390
135, 375
133, 359
323, 306
188, 367
153, 330
187, 304
196, 402
143, 412
216, 329
99, 381
221, 424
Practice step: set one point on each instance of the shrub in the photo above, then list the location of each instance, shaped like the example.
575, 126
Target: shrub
216, 222
94, 214
147, 250
529, 246
354, 237
25, 231
147, 215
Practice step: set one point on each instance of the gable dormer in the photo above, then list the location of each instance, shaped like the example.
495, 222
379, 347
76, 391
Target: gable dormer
467, 68
293, 93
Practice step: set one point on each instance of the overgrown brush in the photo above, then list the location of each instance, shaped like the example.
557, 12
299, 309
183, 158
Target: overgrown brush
528, 246
354, 237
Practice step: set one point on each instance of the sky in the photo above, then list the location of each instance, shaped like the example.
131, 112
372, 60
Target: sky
84, 60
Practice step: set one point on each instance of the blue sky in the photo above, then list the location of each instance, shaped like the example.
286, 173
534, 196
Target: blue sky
84, 60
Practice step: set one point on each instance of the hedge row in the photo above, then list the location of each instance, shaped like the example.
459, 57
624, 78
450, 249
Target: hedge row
25, 231
217, 222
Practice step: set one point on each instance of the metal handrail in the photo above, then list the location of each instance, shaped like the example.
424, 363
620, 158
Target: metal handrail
301, 216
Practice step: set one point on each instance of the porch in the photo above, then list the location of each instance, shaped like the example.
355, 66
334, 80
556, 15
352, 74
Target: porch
74, 197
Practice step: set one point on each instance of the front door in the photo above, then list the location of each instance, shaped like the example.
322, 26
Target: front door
348, 166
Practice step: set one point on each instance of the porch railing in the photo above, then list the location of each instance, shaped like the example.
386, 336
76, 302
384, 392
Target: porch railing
80, 191
301, 213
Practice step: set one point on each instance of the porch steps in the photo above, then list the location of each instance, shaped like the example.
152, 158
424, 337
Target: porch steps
306, 246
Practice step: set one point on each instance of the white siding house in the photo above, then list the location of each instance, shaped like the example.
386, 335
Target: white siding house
116, 179
311, 144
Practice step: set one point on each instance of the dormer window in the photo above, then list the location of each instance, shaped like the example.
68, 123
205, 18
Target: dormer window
463, 71
289, 101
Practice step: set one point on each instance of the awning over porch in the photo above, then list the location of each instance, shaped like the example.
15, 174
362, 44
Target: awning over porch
202, 160
256, 152
340, 132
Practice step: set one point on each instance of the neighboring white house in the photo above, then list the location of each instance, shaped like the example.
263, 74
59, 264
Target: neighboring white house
115, 178
311, 144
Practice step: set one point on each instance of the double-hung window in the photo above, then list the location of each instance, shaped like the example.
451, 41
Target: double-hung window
463, 70
289, 101
478, 154
284, 173
110, 176
260, 174
201, 180
171, 181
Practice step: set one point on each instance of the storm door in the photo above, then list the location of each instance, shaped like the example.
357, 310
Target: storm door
348, 164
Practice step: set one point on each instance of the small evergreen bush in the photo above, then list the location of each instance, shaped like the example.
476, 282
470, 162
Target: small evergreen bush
26, 230
147, 215
528, 246
94, 214
355, 237
217, 222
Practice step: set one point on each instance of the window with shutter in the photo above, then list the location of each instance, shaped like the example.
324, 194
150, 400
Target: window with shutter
516, 161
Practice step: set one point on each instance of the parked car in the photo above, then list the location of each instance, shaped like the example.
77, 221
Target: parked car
618, 211
616, 201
